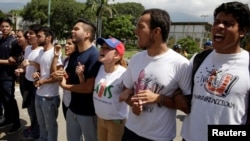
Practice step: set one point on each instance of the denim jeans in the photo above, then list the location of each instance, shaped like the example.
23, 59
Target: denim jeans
79, 126
7, 97
47, 113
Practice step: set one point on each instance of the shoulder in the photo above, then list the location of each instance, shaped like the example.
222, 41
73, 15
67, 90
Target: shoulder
138, 55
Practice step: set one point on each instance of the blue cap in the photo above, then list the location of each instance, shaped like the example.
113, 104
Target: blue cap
208, 43
113, 43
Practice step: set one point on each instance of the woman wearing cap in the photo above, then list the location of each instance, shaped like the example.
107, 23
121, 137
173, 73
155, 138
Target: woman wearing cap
111, 112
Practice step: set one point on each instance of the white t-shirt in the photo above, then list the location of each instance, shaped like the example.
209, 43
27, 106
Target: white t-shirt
108, 88
45, 60
66, 93
220, 99
31, 54
162, 74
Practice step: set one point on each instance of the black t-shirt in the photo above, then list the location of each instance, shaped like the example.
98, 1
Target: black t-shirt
8, 47
82, 104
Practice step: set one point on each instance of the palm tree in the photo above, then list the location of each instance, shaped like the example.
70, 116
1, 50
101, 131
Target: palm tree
99, 6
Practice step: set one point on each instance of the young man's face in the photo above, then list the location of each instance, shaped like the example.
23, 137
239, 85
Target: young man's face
78, 32
225, 33
41, 38
32, 38
5, 28
143, 32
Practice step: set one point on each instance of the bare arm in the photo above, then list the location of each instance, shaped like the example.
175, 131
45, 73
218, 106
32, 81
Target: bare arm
86, 87
10, 61
57, 52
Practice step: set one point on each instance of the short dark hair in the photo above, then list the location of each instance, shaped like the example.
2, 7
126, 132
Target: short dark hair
7, 20
159, 18
239, 10
91, 27
35, 27
25, 33
48, 32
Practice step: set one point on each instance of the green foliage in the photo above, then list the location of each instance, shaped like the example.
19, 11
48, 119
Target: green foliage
120, 27
99, 7
129, 8
36, 10
2, 15
188, 45
63, 14
171, 41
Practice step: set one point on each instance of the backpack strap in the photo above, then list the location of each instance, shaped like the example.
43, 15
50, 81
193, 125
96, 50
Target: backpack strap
198, 59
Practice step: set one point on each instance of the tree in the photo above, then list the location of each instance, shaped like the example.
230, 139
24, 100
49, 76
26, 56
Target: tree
188, 45
129, 8
120, 27
100, 7
2, 15
36, 10
63, 14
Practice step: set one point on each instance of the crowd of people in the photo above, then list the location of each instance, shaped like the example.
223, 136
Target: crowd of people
106, 98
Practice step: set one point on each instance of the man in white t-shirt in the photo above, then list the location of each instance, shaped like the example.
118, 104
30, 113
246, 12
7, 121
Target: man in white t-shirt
221, 83
154, 75
47, 98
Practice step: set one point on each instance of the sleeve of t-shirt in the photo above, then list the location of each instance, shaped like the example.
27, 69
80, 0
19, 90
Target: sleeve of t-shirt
184, 78
93, 66
127, 77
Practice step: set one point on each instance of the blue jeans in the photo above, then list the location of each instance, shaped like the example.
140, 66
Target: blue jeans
47, 113
79, 126
7, 97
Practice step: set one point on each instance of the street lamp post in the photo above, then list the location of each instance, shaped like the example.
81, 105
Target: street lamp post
49, 12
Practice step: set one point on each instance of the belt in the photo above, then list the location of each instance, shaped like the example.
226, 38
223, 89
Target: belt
47, 98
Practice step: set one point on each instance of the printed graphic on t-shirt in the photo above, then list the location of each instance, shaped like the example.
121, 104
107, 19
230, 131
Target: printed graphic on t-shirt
218, 84
145, 82
103, 90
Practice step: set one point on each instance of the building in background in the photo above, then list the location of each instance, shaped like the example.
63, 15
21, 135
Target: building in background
199, 31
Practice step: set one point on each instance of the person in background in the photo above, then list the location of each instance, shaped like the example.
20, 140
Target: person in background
47, 98
111, 113
208, 45
9, 51
179, 49
22, 39
69, 48
81, 118
151, 79
221, 97
29, 66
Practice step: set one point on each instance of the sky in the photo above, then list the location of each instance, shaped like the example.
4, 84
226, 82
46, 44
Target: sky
179, 10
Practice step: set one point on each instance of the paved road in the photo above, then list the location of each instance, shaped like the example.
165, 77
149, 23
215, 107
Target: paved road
24, 117
61, 122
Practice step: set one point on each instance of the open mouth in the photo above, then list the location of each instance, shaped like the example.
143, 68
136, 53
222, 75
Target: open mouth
218, 37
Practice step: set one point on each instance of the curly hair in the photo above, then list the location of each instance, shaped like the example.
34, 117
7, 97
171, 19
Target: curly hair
239, 10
